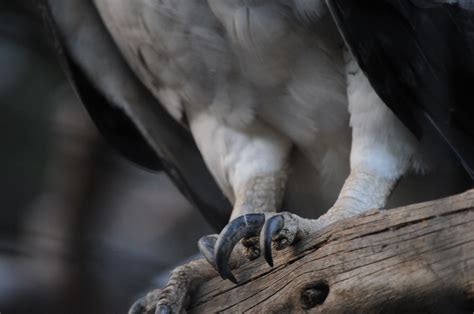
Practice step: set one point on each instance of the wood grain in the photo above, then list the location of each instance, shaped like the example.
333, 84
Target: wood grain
414, 258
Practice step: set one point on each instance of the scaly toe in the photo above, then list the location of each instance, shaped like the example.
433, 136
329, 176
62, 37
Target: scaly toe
147, 303
251, 248
251, 252
163, 309
138, 307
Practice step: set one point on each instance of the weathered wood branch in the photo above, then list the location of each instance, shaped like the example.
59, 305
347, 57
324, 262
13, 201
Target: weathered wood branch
414, 258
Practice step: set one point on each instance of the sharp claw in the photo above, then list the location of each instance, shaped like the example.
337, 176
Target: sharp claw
137, 307
163, 309
248, 225
206, 246
226, 273
271, 227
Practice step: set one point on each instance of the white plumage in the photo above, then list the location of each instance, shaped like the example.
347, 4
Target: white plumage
267, 90
253, 78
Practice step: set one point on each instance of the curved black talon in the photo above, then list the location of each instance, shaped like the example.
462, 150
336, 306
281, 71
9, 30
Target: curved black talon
138, 307
163, 309
270, 228
206, 246
248, 225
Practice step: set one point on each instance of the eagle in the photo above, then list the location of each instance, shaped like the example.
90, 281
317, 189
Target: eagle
322, 108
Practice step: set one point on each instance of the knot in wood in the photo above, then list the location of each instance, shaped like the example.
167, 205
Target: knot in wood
314, 295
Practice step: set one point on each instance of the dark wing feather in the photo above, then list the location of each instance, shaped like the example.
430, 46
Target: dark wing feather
419, 57
145, 132
114, 125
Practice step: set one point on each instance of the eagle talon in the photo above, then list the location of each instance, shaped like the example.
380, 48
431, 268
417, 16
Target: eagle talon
277, 230
271, 227
245, 226
206, 246
146, 303
138, 307
163, 309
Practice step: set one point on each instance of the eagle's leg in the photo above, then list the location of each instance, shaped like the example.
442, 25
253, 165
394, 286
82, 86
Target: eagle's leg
383, 150
361, 191
258, 195
261, 194
249, 162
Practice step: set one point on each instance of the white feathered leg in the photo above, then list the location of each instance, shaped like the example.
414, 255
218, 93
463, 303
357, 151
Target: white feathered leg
250, 167
383, 150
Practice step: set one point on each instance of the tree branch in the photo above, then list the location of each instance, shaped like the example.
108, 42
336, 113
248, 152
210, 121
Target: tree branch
414, 258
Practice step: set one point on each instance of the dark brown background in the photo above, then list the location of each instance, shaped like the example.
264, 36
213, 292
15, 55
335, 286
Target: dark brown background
81, 229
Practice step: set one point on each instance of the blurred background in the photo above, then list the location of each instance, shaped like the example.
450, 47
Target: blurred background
81, 229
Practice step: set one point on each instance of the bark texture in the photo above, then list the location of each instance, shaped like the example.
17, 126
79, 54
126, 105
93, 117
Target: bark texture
417, 258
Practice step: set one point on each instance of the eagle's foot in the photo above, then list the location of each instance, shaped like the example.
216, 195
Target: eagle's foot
146, 304
242, 253
249, 249
277, 230
175, 297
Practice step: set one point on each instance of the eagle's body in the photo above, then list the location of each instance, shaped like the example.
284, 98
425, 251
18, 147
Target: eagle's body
262, 83
280, 112
251, 81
